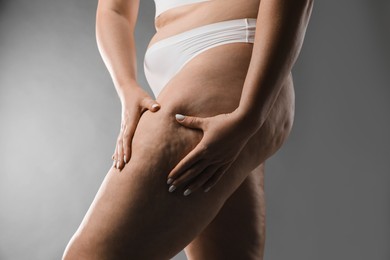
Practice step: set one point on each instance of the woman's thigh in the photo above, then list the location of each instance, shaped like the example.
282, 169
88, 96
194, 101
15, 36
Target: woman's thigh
238, 230
133, 215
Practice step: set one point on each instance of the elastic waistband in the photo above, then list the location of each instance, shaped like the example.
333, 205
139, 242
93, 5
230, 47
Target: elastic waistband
241, 22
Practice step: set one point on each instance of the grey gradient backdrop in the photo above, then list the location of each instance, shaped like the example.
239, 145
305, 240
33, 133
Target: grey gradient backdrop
327, 189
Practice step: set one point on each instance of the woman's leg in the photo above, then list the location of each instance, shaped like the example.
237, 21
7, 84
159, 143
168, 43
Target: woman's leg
133, 216
238, 231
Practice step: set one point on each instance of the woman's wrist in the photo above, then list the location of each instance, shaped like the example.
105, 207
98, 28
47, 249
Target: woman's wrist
126, 91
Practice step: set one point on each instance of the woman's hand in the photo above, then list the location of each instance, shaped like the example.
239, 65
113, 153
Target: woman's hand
134, 104
224, 136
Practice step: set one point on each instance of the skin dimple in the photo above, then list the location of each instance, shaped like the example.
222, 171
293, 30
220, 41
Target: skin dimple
164, 144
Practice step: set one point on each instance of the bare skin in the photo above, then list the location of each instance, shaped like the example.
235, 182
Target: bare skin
133, 216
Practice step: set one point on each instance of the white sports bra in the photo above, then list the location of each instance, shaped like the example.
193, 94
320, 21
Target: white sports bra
164, 5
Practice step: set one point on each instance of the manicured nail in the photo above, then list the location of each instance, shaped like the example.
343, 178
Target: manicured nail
155, 105
125, 159
117, 164
169, 181
207, 189
187, 192
172, 188
179, 117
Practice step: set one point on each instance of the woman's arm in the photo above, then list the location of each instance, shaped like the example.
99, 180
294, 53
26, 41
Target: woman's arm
280, 30
115, 25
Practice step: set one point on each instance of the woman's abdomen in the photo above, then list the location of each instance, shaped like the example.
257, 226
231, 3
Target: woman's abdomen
189, 16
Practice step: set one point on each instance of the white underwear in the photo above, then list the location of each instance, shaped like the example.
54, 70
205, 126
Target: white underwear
165, 58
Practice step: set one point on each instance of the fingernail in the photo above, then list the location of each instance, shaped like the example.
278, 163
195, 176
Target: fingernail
187, 192
155, 105
125, 159
172, 188
207, 189
117, 164
179, 117
169, 181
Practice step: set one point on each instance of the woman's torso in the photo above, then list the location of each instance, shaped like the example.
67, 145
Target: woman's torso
188, 16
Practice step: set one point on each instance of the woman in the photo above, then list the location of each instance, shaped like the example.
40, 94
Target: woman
188, 167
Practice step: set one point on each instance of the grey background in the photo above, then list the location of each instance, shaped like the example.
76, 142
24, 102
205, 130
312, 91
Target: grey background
327, 188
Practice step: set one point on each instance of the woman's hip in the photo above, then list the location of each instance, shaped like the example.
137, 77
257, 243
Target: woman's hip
210, 81
166, 58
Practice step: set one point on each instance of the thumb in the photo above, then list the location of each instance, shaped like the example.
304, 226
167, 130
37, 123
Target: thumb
190, 121
150, 104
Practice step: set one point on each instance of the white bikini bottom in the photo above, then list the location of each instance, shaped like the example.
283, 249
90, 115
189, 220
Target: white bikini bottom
165, 58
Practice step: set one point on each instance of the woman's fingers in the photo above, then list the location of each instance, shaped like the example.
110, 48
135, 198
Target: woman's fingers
202, 178
119, 163
216, 177
186, 162
126, 148
192, 164
194, 171
115, 155
190, 121
113, 159
127, 138
203, 175
128, 128
133, 106
150, 104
